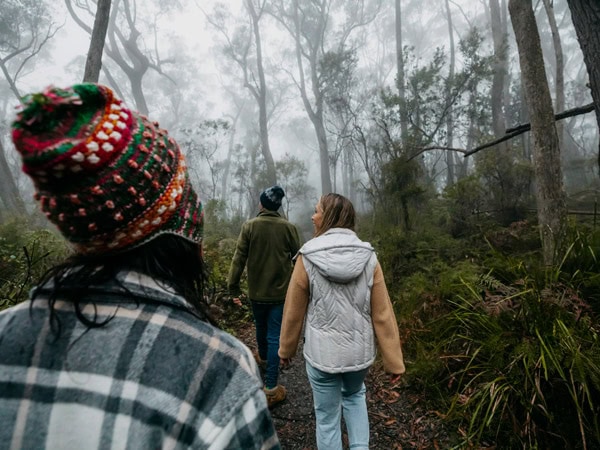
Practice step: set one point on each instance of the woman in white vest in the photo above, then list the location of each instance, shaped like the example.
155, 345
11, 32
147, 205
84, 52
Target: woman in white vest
338, 291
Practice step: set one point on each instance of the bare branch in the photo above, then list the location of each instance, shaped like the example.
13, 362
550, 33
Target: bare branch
563, 115
78, 19
436, 147
37, 48
520, 129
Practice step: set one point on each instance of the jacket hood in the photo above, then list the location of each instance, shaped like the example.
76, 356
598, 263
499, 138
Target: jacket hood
339, 255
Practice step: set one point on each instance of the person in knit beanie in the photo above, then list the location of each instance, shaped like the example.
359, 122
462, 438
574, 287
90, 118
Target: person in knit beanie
116, 346
106, 176
271, 198
265, 248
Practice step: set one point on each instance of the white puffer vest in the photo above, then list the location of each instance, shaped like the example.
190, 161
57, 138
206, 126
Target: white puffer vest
338, 333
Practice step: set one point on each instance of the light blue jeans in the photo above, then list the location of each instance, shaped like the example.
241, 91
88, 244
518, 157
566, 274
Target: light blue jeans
334, 393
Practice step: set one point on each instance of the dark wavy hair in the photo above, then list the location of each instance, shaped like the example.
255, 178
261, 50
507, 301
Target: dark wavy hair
168, 259
338, 212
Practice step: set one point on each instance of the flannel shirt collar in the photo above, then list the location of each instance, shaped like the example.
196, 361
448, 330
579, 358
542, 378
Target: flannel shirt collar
127, 287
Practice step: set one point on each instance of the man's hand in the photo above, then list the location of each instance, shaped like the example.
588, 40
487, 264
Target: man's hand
238, 300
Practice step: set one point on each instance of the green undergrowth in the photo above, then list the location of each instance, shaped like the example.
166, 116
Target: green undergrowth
506, 348
218, 251
26, 253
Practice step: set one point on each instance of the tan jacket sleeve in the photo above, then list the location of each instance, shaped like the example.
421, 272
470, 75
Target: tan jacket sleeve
294, 311
385, 325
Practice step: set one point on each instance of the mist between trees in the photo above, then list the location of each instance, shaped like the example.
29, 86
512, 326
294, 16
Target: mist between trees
441, 120
377, 100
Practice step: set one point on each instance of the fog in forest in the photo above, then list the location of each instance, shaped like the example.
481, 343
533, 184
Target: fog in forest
342, 121
464, 132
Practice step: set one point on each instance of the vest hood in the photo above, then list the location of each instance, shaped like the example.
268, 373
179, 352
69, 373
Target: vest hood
339, 255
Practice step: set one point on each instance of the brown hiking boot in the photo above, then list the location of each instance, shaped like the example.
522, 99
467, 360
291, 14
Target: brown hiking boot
261, 363
275, 395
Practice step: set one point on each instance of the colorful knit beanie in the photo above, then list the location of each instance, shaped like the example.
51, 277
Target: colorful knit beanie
106, 176
271, 198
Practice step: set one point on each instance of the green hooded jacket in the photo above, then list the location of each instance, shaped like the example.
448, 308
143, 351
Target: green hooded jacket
266, 246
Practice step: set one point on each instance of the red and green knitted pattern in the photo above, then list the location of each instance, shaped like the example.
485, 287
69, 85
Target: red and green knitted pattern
105, 175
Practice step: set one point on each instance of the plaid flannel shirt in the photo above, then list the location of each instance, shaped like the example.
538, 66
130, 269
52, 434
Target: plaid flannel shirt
154, 376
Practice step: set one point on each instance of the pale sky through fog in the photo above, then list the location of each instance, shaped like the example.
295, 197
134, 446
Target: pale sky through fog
71, 42
203, 77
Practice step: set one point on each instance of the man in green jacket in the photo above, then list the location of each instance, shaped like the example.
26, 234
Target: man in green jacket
266, 246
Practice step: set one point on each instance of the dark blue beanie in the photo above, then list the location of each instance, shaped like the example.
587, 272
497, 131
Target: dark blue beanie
271, 198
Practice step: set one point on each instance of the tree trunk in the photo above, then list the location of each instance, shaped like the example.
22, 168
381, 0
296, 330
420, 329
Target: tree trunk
262, 98
508, 113
136, 79
464, 163
524, 117
550, 196
314, 113
93, 63
348, 165
230, 150
9, 193
559, 103
586, 17
400, 79
449, 109
9, 79
323, 153
497, 94
138, 63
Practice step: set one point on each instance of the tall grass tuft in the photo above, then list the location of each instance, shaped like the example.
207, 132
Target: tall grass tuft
26, 253
521, 357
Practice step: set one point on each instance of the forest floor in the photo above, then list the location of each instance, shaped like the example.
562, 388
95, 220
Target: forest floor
398, 415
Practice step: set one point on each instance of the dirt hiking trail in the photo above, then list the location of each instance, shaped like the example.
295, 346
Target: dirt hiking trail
397, 415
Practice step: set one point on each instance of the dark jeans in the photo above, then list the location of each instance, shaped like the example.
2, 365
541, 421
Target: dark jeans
267, 318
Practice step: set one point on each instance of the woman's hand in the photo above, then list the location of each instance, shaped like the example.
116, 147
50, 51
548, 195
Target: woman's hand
395, 377
284, 363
